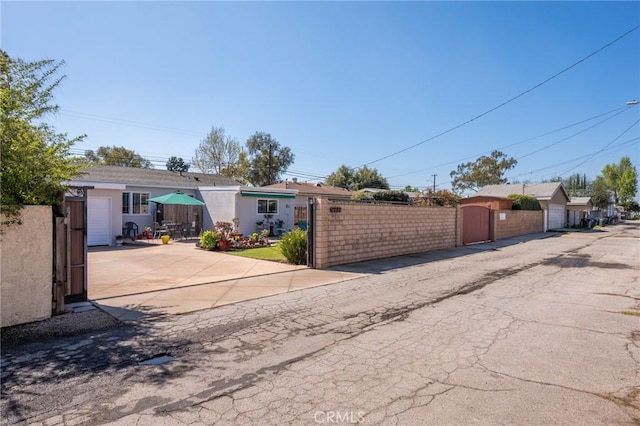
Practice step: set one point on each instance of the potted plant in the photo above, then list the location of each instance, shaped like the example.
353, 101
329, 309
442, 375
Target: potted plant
119, 240
148, 232
165, 239
225, 229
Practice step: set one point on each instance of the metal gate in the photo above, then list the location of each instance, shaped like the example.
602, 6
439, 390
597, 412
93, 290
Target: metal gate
76, 246
310, 233
476, 224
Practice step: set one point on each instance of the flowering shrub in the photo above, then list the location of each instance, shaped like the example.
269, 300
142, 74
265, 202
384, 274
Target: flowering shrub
209, 239
225, 229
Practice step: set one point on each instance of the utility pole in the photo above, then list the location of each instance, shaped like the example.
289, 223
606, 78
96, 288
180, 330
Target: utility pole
434, 182
269, 166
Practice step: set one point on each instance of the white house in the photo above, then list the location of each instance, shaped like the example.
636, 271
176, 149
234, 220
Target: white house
256, 208
121, 194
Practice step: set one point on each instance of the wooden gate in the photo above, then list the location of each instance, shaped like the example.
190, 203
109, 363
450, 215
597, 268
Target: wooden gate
76, 247
476, 224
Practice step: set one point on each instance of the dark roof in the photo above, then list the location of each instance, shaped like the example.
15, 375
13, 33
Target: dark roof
137, 176
305, 188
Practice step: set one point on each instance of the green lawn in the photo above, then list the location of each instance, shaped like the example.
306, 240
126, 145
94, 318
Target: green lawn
263, 253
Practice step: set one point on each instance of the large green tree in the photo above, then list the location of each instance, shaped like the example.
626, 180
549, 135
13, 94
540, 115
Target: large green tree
116, 156
486, 170
35, 158
600, 193
217, 152
622, 179
267, 159
355, 180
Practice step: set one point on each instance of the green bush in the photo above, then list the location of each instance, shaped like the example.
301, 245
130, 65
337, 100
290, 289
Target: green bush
391, 196
524, 202
362, 195
209, 239
294, 247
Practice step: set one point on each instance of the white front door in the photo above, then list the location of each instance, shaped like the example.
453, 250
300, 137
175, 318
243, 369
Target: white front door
98, 221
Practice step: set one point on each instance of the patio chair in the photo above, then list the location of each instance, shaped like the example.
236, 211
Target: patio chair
159, 230
128, 228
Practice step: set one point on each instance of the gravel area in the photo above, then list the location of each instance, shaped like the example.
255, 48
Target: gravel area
70, 324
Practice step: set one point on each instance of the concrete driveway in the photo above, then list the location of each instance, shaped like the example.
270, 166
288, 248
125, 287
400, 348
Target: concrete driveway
136, 281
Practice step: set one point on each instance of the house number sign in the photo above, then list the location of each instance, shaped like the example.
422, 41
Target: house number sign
335, 209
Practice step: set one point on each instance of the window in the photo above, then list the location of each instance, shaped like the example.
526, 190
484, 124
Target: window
135, 203
267, 206
125, 202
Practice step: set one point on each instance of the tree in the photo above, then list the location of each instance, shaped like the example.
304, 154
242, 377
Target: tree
35, 159
341, 178
442, 198
239, 170
116, 156
600, 193
410, 188
177, 164
370, 178
267, 159
346, 177
484, 171
622, 179
217, 152
577, 185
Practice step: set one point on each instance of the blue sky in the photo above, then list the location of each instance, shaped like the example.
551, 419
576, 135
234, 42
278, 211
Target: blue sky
345, 82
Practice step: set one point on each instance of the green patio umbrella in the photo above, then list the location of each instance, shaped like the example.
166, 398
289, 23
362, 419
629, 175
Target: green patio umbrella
178, 197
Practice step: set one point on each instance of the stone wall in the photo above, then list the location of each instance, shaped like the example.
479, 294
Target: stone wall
26, 268
511, 223
354, 232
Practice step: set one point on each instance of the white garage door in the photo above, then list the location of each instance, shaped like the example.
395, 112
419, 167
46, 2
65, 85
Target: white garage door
556, 216
98, 221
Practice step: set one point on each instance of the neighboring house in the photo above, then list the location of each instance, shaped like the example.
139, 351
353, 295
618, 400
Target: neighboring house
306, 190
579, 208
256, 208
552, 196
120, 195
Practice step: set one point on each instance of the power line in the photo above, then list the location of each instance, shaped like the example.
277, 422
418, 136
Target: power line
505, 102
621, 145
570, 136
604, 147
130, 123
515, 143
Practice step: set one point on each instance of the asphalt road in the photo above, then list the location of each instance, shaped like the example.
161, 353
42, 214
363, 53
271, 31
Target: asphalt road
546, 331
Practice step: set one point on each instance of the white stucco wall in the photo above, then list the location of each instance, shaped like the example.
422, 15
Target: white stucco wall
220, 205
26, 268
247, 211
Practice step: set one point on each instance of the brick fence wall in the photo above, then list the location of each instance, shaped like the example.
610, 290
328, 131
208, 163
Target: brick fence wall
511, 223
352, 232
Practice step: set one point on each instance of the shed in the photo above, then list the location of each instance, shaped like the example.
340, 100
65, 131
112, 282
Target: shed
489, 201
